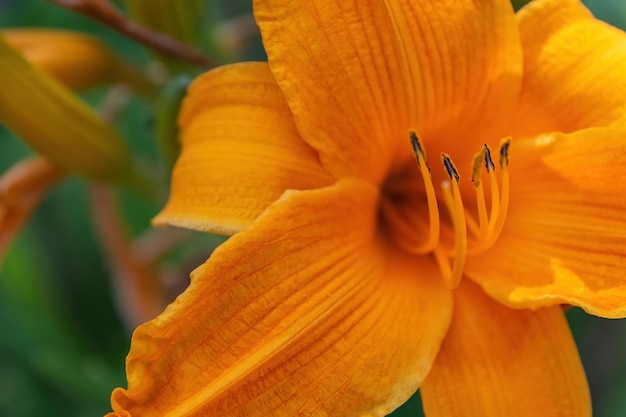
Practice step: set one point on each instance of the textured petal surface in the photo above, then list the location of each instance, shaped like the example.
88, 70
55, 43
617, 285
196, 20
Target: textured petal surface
303, 313
497, 362
359, 74
240, 151
573, 69
564, 240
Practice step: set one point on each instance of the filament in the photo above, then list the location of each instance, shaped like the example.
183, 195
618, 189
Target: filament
483, 220
497, 219
493, 183
431, 198
454, 203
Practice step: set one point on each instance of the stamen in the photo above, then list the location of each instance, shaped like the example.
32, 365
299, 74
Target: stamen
496, 222
431, 197
451, 260
483, 220
457, 214
493, 182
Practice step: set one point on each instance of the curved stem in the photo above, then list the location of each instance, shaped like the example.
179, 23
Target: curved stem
104, 12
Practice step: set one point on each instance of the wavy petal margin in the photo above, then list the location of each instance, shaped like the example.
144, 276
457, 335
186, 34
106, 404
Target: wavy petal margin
290, 317
240, 152
573, 69
564, 240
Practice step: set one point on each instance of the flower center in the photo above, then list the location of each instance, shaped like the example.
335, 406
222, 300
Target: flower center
483, 232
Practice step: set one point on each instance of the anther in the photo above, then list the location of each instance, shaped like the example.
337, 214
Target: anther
431, 198
477, 163
504, 152
418, 149
488, 161
450, 168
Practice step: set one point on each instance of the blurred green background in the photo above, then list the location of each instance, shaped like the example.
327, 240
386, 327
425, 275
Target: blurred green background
62, 344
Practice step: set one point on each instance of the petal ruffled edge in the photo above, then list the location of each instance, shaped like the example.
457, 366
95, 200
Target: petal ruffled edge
564, 240
573, 66
318, 319
240, 152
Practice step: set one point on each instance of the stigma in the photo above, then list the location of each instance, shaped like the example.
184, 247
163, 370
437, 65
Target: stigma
484, 228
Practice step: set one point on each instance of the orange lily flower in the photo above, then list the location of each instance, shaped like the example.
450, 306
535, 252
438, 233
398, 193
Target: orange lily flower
357, 275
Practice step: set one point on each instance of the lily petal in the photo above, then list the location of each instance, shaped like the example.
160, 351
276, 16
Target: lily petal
290, 317
564, 240
496, 362
573, 66
240, 151
359, 74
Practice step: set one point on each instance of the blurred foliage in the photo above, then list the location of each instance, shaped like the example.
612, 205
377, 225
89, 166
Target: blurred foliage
62, 345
